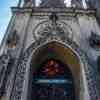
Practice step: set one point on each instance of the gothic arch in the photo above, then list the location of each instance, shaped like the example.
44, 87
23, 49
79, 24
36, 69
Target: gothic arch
64, 53
23, 69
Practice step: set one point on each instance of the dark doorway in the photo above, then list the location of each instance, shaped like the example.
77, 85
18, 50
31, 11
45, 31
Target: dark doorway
52, 80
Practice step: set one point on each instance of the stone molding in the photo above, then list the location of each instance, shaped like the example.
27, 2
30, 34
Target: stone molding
46, 11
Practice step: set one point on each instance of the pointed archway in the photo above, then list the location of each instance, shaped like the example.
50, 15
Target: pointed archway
63, 55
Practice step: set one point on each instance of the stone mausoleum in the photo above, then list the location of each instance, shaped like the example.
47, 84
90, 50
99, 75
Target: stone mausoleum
51, 51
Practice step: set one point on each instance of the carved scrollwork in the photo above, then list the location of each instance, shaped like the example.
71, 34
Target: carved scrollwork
45, 29
4, 59
41, 30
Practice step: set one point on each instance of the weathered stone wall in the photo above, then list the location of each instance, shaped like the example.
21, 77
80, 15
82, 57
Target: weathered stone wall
76, 24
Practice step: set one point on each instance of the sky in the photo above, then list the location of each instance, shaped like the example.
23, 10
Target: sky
5, 14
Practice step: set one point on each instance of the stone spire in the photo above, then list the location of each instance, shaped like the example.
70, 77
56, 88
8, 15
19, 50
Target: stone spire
52, 3
77, 3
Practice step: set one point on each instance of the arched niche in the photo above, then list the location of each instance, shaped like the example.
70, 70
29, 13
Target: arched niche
63, 53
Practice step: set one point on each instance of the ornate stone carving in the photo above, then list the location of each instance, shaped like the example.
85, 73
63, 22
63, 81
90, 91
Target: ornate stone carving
47, 28
4, 59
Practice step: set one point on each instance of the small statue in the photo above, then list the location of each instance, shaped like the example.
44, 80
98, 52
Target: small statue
12, 40
94, 40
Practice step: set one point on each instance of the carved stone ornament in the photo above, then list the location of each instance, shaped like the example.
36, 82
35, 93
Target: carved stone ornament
47, 28
4, 59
